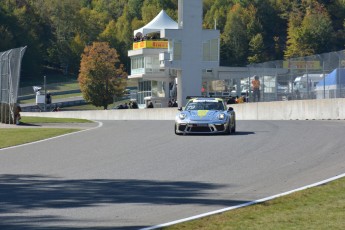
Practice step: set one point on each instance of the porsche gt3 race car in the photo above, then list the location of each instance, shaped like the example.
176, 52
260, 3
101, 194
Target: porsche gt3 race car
205, 115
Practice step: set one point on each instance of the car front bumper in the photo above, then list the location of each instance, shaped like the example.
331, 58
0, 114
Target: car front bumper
200, 128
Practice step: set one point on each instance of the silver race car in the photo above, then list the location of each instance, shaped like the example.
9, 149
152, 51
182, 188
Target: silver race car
205, 115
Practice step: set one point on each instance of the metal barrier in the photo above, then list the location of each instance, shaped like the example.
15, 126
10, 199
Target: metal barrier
320, 76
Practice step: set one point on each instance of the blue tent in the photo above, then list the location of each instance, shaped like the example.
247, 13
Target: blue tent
332, 86
332, 78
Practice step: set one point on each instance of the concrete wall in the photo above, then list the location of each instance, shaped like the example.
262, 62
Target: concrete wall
292, 110
280, 110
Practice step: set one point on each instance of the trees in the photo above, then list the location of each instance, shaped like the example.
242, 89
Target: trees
309, 32
56, 31
216, 14
99, 78
242, 33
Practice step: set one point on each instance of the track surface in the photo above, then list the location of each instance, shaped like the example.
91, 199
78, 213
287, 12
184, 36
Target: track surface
133, 174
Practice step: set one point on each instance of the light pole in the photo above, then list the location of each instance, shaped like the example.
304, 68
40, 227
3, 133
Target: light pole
45, 94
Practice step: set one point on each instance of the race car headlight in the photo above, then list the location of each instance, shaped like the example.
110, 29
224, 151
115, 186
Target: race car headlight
182, 116
221, 116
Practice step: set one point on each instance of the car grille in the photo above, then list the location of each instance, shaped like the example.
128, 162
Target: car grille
193, 128
220, 127
200, 129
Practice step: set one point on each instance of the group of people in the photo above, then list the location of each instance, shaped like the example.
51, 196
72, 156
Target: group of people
256, 93
172, 103
130, 105
144, 38
237, 100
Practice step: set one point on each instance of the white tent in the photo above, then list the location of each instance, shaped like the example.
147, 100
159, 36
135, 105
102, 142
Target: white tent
161, 21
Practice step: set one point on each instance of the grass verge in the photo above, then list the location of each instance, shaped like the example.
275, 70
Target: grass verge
92, 107
54, 97
317, 208
17, 136
33, 120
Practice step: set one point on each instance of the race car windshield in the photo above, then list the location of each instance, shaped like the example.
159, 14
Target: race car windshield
205, 105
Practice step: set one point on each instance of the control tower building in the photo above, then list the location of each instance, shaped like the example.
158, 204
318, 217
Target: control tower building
171, 59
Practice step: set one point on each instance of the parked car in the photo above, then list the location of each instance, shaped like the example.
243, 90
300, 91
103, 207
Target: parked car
205, 115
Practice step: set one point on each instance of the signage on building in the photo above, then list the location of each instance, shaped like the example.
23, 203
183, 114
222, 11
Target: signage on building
150, 45
301, 65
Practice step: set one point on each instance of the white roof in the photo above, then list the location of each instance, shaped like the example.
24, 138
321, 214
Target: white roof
161, 21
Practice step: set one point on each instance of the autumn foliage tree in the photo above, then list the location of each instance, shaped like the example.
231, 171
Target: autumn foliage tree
309, 32
101, 75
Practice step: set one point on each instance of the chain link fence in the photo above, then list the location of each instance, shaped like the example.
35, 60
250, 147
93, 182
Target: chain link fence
319, 76
10, 66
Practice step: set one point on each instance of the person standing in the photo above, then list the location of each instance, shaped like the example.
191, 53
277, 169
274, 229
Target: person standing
17, 116
169, 103
174, 103
150, 105
256, 88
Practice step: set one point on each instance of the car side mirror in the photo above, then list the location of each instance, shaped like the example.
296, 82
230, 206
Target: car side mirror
179, 109
230, 109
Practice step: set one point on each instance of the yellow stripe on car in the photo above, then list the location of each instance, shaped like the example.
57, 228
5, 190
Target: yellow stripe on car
202, 113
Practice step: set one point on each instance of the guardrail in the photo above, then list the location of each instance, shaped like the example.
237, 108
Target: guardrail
31, 96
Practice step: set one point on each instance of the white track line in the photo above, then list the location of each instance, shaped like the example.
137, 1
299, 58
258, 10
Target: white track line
100, 124
244, 204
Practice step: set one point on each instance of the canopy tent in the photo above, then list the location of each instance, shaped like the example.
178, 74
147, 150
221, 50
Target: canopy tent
332, 86
161, 21
336, 77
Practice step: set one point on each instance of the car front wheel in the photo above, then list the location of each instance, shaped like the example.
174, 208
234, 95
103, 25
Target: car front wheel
233, 128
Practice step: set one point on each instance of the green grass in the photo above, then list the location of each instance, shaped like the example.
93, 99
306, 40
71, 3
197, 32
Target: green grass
53, 87
54, 97
33, 120
317, 208
66, 86
17, 136
92, 107
81, 107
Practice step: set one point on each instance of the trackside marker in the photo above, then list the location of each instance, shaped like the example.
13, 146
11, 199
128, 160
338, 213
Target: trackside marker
244, 204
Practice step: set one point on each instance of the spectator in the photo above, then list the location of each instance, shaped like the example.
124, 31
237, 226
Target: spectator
17, 116
170, 103
256, 88
174, 103
150, 105
135, 105
48, 98
231, 100
56, 109
239, 100
120, 106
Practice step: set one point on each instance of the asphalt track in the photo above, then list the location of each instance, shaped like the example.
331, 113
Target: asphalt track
134, 174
